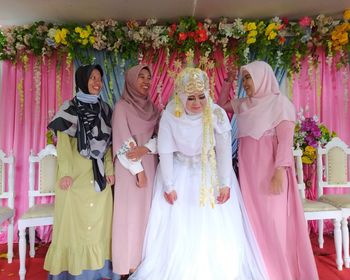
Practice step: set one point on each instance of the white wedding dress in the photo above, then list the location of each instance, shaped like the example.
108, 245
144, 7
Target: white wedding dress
185, 241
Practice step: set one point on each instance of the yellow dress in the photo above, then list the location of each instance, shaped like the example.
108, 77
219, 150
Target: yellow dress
83, 217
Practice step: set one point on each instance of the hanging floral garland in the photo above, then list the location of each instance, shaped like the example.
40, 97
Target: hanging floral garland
278, 40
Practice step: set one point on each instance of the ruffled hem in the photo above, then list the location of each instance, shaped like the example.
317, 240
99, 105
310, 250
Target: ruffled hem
75, 260
105, 272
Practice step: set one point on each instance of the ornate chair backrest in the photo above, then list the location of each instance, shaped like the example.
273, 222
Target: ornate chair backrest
333, 165
7, 170
46, 160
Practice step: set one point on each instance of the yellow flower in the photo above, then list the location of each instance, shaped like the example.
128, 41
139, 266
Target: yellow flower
271, 27
252, 33
78, 29
344, 38
250, 26
84, 34
251, 40
309, 155
306, 160
60, 36
310, 149
92, 40
346, 14
272, 35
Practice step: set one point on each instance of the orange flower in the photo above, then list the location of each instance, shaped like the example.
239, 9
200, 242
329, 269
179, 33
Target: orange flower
281, 40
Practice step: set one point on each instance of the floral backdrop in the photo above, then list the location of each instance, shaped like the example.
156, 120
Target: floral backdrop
279, 41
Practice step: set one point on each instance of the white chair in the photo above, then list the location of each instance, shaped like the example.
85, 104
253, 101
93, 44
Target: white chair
7, 213
37, 214
316, 210
332, 171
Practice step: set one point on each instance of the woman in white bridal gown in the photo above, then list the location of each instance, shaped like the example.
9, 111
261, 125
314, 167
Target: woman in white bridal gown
198, 227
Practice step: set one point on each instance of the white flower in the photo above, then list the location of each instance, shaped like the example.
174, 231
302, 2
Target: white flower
51, 33
151, 21
277, 20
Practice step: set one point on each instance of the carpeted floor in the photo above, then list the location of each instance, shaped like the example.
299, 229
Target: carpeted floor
325, 260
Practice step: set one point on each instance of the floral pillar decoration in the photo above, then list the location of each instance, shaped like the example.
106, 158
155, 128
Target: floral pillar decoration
37, 81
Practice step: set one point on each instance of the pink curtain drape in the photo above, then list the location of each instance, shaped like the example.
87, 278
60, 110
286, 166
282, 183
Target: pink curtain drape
31, 94
325, 92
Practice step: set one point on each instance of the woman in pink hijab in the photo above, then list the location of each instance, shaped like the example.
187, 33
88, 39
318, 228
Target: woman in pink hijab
265, 120
134, 124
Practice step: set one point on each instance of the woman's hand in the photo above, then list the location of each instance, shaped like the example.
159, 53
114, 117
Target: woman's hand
231, 73
66, 182
141, 179
224, 195
136, 152
110, 179
170, 197
276, 185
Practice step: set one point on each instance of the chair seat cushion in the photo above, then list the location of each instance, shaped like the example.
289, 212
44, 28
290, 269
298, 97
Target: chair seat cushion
337, 200
39, 211
314, 205
5, 214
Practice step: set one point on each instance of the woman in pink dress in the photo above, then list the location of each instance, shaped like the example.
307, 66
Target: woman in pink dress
134, 123
265, 120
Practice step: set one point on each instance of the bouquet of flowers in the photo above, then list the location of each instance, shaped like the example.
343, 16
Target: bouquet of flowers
308, 133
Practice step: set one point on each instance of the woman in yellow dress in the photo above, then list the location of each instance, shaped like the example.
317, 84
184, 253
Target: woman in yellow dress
81, 242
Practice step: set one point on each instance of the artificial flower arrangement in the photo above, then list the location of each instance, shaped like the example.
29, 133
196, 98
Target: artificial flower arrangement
309, 132
277, 41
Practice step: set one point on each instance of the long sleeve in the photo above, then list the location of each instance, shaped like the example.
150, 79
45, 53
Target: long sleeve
133, 166
167, 167
64, 154
151, 145
108, 163
224, 98
224, 94
284, 132
223, 157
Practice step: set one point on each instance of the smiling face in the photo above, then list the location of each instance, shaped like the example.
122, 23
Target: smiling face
95, 82
196, 102
248, 83
143, 83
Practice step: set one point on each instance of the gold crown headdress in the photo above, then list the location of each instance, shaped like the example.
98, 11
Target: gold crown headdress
191, 80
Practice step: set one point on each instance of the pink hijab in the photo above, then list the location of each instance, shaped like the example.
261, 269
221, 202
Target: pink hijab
267, 108
134, 115
143, 105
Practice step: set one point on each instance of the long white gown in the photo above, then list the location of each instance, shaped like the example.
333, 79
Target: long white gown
185, 241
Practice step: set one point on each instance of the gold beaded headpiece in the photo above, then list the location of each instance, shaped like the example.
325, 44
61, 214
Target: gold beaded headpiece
191, 80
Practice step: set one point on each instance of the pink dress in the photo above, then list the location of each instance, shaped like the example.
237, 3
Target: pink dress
277, 220
131, 203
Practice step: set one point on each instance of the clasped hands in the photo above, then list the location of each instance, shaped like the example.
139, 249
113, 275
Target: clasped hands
224, 195
136, 152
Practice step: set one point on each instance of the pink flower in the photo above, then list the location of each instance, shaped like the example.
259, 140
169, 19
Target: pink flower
305, 22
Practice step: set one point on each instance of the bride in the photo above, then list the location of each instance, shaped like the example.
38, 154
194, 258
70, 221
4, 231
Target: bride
198, 227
